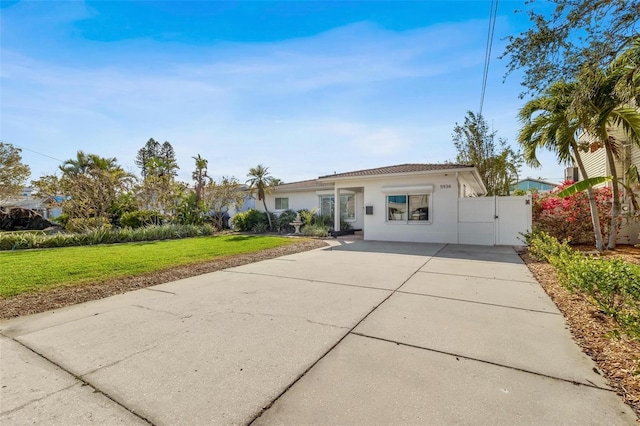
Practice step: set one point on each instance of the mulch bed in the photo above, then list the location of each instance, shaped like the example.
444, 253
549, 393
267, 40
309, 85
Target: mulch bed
617, 355
32, 303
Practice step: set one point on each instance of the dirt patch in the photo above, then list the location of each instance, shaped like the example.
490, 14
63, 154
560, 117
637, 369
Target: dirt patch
32, 303
617, 355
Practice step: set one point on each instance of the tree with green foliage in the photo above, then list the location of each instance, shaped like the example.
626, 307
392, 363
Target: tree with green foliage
548, 123
498, 164
200, 177
91, 185
575, 35
221, 196
162, 154
13, 173
600, 107
159, 191
150, 150
599, 100
261, 182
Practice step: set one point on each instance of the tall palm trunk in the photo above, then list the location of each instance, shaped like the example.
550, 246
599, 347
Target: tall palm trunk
264, 202
615, 210
593, 207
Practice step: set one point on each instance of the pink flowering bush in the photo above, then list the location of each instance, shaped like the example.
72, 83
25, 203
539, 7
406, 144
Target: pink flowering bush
570, 218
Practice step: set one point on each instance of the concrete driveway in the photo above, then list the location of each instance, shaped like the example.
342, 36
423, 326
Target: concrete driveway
355, 334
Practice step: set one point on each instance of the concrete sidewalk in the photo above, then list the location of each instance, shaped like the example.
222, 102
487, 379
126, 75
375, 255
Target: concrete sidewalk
358, 333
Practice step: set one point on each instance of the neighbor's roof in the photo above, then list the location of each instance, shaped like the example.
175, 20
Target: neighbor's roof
400, 168
304, 184
546, 182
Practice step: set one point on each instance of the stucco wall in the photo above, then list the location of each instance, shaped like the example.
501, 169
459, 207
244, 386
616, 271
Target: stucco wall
299, 200
443, 224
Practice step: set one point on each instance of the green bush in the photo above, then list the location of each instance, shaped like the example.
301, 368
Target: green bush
543, 246
17, 241
82, 225
610, 284
247, 221
315, 230
282, 222
141, 218
323, 221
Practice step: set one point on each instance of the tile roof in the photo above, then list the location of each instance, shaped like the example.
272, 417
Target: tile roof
400, 168
304, 184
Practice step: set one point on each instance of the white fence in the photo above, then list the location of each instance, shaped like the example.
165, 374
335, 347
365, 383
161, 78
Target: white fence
493, 220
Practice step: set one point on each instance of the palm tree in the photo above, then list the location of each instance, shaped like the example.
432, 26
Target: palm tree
600, 106
92, 184
200, 177
261, 182
76, 166
548, 123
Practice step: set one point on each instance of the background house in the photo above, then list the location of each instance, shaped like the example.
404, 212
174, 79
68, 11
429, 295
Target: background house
536, 184
47, 206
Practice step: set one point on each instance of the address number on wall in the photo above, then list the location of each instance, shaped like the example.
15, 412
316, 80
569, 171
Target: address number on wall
445, 186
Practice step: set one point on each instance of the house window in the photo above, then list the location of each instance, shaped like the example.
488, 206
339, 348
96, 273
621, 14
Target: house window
282, 203
408, 208
347, 206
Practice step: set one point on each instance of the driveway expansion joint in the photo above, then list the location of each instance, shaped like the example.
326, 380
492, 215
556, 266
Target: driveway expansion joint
158, 290
26, 404
537, 311
308, 280
573, 382
86, 383
349, 332
482, 277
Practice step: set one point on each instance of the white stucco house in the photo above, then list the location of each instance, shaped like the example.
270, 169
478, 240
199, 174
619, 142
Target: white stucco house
406, 202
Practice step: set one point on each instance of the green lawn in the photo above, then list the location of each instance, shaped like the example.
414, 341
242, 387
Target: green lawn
33, 270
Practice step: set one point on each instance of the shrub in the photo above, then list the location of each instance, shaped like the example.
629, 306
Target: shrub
543, 246
308, 216
324, 221
17, 240
83, 225
260, 228
570, 218
315, 230
141, 218
247, 221
282, 222
610, 284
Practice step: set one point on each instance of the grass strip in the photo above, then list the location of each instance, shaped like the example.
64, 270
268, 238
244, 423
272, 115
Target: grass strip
35, 270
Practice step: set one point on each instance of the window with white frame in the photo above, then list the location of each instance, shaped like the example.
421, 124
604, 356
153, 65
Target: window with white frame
282, 203
408, 208
347, 206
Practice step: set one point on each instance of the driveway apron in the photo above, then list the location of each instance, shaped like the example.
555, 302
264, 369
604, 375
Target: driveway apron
357, 333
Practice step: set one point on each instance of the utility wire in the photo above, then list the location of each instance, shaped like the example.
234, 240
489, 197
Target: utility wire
493, 13
36, 152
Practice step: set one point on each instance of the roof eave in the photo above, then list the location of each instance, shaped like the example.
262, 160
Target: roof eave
330, 178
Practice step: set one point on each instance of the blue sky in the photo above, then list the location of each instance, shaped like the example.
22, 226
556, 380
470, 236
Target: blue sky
304, 87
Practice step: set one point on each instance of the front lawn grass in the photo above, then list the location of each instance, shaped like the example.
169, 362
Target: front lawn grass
34, 270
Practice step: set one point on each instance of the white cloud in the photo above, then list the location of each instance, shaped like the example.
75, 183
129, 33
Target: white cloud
354, 97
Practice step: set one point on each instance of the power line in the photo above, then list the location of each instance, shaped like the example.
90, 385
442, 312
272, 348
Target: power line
36, 152
493, 13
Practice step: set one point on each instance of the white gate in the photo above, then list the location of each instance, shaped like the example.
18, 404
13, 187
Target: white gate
493, 220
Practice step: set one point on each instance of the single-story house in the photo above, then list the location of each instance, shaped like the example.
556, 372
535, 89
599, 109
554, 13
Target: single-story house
406, 202
45, 206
